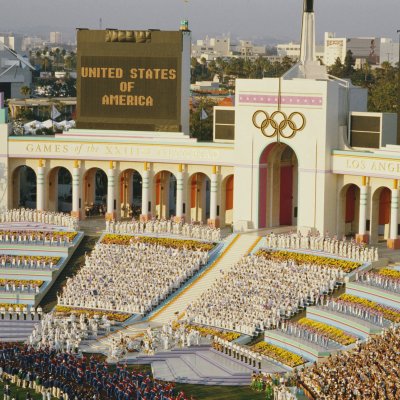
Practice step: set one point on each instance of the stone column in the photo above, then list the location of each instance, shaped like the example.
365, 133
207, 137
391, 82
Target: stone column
76, 190
40, 188
110, 215
146, 210
179, 195
214, 220
394, 241
363, 236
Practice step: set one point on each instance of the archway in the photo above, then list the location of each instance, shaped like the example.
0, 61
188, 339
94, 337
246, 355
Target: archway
380, 219
164, 194
95, 192
24, 187
60, 190
227, 200
278, 186
349, 210
199, 195
130, 193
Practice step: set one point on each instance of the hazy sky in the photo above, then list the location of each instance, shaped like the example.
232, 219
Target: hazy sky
242, 18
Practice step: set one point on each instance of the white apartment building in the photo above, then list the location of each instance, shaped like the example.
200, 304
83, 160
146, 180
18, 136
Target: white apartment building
55, 37
389, 51
212, 48
292, 50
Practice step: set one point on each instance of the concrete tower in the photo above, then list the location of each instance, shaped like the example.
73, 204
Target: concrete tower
310, 67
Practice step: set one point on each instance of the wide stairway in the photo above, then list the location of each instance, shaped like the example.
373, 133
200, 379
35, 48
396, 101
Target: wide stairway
239, 247
197, 365
16, 330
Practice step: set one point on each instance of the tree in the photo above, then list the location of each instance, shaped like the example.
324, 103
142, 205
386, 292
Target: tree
202, 128
348, 66
336, 69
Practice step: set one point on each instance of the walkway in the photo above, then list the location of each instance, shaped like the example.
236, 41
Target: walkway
16, 330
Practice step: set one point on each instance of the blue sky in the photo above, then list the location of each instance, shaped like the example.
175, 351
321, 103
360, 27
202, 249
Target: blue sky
242, 18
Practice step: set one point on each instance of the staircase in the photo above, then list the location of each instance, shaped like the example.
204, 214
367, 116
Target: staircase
240, 246
197, 365
16, 330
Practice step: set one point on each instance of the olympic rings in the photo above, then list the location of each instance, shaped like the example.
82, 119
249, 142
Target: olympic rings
279, 123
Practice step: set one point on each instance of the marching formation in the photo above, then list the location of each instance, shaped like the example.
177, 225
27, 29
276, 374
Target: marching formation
342, 248
69, 377
28, 262
133, 278
36, 237
165, 226
13, 286
257, 293
377, 279
45, 217
20, 312
342, 306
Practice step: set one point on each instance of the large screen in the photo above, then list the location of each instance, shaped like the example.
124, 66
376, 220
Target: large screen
133, 85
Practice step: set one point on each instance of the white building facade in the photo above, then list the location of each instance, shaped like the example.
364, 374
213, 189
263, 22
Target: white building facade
300, 152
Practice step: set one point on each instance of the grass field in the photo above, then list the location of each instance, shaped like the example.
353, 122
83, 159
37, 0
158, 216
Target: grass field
199, 392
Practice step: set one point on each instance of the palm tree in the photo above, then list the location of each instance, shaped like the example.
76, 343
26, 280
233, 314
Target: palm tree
25, 91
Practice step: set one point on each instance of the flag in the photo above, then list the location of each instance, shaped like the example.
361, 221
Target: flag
203, 115
54, 112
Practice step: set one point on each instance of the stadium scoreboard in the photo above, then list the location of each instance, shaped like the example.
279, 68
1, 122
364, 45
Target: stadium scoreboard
131, 80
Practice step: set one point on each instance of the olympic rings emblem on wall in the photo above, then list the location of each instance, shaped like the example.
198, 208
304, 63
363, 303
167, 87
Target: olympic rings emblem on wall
279, 123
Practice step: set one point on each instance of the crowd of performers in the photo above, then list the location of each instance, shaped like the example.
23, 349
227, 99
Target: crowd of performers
371, 371
324, 244
132, 278
153, 340
70, 377
44, 217
66, 334
257, 293
373, 278
165, 226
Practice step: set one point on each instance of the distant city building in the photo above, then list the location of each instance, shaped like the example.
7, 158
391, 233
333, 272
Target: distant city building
12, 40
205, 86
31, 42
247, 49
212, 48
366, 48
55, 37
292, 50
389, 51
15, 70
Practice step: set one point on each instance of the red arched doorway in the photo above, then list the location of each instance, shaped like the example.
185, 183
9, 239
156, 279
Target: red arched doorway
349, 210
227, 200
278, 179
164, 193
380, 221
199, 197
24, 187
